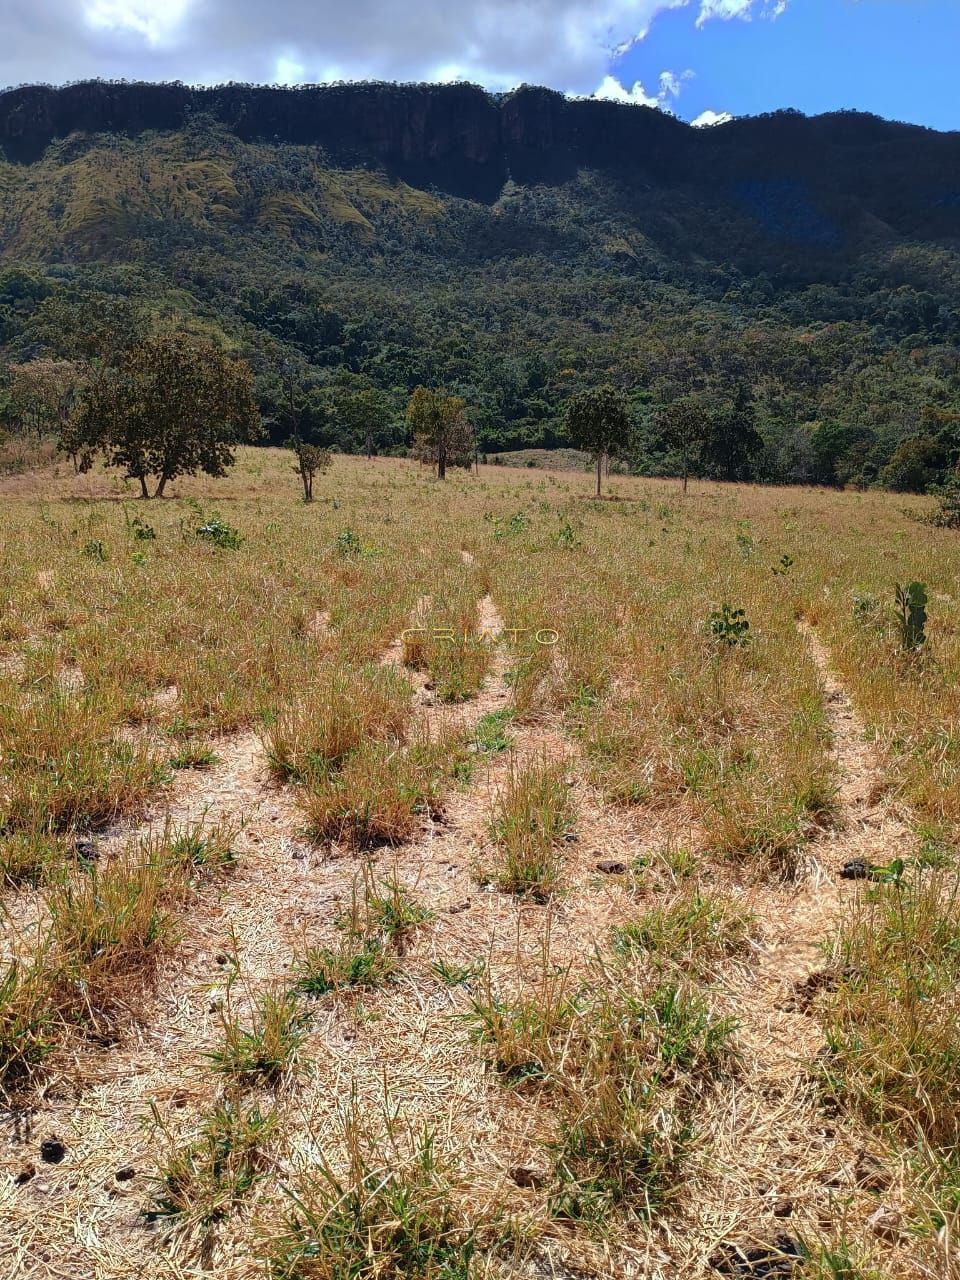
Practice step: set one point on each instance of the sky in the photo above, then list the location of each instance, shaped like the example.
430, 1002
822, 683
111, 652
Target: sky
702, 60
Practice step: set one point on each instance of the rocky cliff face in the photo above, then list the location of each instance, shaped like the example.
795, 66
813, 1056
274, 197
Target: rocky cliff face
465, 142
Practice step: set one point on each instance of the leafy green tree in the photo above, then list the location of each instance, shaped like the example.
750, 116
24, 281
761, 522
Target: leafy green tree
310, 460
171, 406
598, 422
733, 442
42, 393
366, 415
441, 433
684, 427
840, 450
914, 466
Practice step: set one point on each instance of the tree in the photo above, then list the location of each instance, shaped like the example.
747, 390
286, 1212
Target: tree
171, 406
840, 449
733, 441
366, 415
310, 460
441, 433
914, 466
684, 427
598, 421
42, 393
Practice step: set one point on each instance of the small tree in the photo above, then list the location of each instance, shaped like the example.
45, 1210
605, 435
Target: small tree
598, 421
171, 406
42, 393
310, 460
684, 427
733, 441
366, 415
441, 433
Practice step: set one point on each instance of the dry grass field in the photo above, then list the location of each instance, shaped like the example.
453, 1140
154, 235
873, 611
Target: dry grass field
434, 881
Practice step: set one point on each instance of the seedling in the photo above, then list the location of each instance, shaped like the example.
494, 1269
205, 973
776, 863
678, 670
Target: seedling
347, 543
142, 531
565, 536
783, 566
220, 534
729, 626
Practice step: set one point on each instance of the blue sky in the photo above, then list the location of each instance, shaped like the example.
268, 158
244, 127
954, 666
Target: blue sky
697, 58
897, 58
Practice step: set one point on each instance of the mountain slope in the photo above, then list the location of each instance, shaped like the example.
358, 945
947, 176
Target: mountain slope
513, 247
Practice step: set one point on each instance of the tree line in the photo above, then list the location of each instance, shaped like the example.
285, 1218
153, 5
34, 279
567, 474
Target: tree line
169, 405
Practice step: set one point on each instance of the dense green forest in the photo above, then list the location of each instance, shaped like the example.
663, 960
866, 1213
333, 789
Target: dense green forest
799, 279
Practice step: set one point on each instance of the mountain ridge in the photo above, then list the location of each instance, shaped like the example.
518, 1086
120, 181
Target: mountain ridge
800, 273
468, 143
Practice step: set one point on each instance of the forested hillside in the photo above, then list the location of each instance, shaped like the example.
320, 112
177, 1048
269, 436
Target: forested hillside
799, 277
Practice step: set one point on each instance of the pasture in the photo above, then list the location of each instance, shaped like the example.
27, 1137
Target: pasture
476, 879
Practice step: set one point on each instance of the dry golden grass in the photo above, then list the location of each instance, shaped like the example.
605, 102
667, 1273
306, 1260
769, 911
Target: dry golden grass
204, 752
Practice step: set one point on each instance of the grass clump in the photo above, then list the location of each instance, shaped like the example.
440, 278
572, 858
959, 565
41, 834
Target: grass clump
625, 1060
389, 1212
62, 766
893, 1022
692, 932
28, 858
381, 794
204, 1181
202, 848
28, 1024
448, 645
374, 930
490, 735
108, 929
313, 737
352, 963
531, 816
266, 1050
532, 678
194, 755
394, 912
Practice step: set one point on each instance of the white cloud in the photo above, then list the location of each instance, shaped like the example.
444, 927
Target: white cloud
670, 86
707, 118
288, 71
614, 91
568, 44
744, 9
671, 83
151, 21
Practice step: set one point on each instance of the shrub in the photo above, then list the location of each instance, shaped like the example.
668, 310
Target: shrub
347, 543
729, 626
911, 615
947, 513
220, 534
